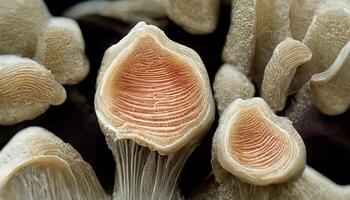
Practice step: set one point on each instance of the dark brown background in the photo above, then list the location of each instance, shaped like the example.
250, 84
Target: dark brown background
327, 139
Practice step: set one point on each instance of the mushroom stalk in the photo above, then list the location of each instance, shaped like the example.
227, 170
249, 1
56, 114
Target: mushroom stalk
154, 104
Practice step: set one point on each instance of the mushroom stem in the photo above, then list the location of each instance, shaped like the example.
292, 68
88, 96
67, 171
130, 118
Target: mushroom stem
145, 174
154, 104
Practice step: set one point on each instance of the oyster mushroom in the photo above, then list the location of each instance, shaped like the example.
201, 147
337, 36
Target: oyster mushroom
279, 72
196, 16
258, 155
257, 146
28, 29
27, 89
331, 88
327, 34
36, 164
272, 27
68, 65
129, 11
229, 85
239, 48
301, 13
154, 104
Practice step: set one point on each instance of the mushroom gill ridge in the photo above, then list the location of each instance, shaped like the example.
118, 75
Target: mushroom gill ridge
255, 142
154, 91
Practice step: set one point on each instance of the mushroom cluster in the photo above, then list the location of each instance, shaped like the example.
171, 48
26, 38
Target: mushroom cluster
40, 52
153, 103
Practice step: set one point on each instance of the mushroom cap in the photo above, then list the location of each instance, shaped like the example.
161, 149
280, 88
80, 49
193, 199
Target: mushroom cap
27, 89
38, 151
258, 147
331, 88
286, 58
154, 91
61, 49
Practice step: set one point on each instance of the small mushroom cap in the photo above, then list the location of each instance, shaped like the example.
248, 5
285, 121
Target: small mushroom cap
61, 49
327, 34
38, 151
27, 89
154, 91
279, 72
195, 16
258, 147
21, 23
331, 88
229, 85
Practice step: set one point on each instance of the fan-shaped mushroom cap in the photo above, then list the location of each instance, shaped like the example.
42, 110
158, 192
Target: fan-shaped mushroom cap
195, 16
239, 47
154, 91
61, 50
301, 13
27, 89
20, 25
36, 164
229, 85
328, 33
331, 88
279, 72
258, 147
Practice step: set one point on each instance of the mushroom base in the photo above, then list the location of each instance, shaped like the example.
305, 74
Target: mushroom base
311, 185
145, 174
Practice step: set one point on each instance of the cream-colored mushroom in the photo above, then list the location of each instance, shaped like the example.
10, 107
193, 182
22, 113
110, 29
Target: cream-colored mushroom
311, 185
27, 89
327, 34
272, 27
27, 29
258, 155
239, 48
36, 164
196, 16
331, 88
301, 13
257, 146
229, 85
154, 104
279, 72
61, 50
129, 11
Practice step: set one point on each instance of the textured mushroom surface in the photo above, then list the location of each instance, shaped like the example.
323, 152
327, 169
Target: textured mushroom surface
154, 104
331, 88
127, 11
28, 29
310, 185
27, 89
272, 27
258, 147
196, 16
61, 50
279, 72
229, 85
239, 48
41, 166
327, 34
154, 90
301, 13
